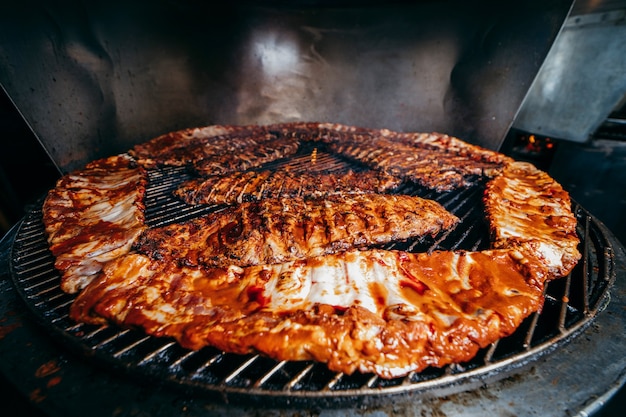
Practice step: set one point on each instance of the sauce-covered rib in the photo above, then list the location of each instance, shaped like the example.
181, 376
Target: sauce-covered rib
377, 311
92, 216
529, 210
280, 230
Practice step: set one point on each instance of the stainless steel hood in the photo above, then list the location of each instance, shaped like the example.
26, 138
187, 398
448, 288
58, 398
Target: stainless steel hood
93, 78
583, 78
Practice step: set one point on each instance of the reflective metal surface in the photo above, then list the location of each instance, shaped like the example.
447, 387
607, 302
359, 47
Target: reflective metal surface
93, 78
583, 77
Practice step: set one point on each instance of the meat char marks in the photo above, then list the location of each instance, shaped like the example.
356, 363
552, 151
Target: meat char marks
435, 161
280, 230
257, 185
217, 149
259, 153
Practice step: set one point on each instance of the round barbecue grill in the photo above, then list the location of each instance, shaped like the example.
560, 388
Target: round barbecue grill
97, 77
562, 360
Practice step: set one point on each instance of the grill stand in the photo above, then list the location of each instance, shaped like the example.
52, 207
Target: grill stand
577, 379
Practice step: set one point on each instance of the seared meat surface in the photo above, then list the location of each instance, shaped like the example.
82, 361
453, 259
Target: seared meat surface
252, 185
217, 148
280, 230
432, 168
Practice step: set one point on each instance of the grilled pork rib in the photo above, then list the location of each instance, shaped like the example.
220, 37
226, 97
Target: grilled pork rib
435, 161
431, 168
253, 185
259, 153
378, 311
280, 230
527, 208
92, 216
222, 148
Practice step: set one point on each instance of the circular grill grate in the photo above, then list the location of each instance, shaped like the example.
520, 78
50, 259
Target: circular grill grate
571, 303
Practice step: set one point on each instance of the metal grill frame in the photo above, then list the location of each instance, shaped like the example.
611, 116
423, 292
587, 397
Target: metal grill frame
571, 304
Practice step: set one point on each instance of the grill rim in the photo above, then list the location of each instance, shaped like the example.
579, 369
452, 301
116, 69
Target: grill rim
449, 383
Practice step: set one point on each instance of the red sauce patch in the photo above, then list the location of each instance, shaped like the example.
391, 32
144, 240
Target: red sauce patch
56, 380
5, 330
255, 294
416, 285
47, 369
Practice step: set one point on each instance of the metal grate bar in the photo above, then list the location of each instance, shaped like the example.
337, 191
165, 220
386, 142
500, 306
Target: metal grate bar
531, 331
63, 315
50, 292
372, 381
298, 378
75, 328
39, 278
36, 253
585, 259
129, 347
207, 364
95, 332
265, 378
490, 351
333, 382
178, 363
112, 338
240, 369
146, 359
468, 230
565, 303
